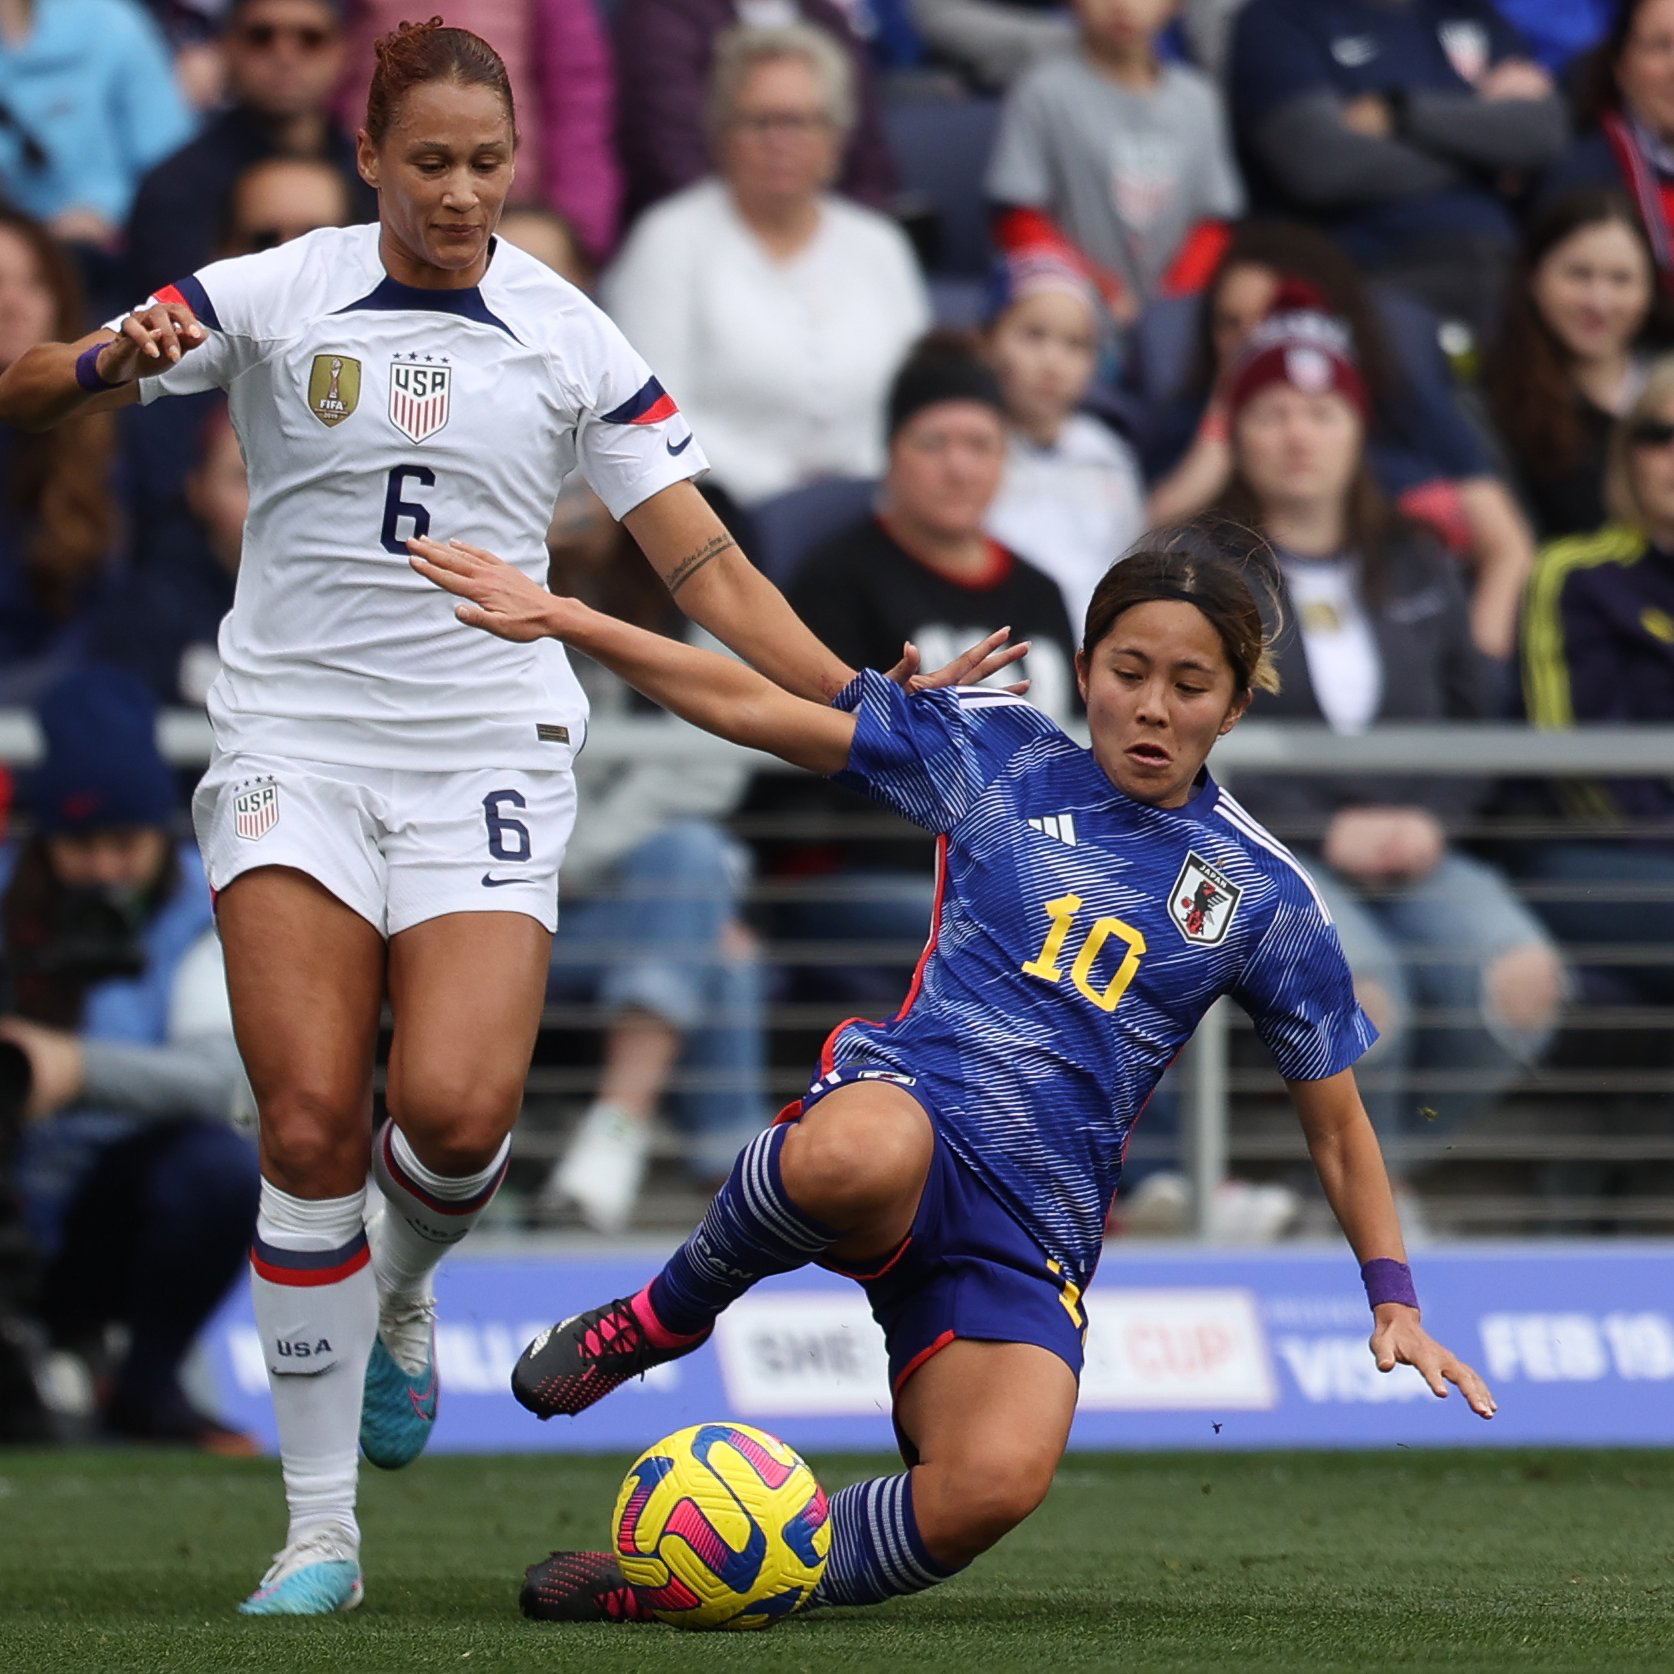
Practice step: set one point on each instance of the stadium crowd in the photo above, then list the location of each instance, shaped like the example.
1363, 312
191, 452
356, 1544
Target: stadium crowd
960, 295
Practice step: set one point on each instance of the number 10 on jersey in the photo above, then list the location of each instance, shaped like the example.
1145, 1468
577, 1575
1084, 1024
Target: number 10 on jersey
1046, 966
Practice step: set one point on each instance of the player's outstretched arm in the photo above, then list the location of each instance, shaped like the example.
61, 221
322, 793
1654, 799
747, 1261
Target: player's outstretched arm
52, 381
713, 692
712, 581
1346, 1154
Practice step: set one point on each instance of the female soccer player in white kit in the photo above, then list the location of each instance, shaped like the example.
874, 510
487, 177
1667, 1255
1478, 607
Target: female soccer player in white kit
391, 792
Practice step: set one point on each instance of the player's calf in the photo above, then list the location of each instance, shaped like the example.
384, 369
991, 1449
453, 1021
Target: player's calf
963, 1510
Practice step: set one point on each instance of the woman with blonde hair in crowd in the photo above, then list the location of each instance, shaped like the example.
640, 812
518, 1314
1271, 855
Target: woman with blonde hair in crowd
1598, 650
775, 311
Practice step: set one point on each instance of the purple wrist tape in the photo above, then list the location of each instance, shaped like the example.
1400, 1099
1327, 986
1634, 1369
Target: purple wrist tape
1388, 1281
87, 370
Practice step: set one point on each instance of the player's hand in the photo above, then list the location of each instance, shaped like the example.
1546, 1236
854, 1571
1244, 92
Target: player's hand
969, 668
151, 341
56, 1066
1399, 1340
499, 597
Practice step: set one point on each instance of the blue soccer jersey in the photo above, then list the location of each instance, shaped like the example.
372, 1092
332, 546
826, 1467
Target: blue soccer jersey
1078, 938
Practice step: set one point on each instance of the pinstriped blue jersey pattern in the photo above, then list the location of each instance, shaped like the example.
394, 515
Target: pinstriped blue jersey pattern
1033, 1085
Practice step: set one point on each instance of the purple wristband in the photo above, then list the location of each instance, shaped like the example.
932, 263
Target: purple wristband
1388, 1281
87, 370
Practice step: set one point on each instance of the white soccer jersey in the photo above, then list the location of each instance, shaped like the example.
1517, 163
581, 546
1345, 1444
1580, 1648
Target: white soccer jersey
369, 412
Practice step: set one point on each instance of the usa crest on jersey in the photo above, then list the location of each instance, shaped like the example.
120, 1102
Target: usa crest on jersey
1203, 901
256, 811
418, 397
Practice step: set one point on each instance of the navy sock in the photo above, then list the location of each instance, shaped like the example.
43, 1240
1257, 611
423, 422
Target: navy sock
876, 1549
751, 1230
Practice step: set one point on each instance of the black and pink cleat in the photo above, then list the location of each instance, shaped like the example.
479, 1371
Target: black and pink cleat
580, 1587
581, 1360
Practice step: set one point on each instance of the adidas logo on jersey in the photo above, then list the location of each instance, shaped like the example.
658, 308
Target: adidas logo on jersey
1061, 826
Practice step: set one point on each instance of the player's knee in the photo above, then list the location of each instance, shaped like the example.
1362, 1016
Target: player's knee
313, 1141
1525, 987
459, 1131
845, 1165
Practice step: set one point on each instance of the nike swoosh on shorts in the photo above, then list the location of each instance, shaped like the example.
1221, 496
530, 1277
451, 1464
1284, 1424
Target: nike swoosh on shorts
683, 446
489, 881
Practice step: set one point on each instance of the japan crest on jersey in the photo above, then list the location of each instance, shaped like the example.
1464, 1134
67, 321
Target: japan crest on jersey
256, 811
418, 398
1203, 901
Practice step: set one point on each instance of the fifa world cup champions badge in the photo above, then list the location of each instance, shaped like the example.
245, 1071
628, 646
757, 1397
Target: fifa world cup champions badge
333, 388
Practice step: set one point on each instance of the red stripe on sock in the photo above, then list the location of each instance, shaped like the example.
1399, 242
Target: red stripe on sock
305, 1276
439, 1205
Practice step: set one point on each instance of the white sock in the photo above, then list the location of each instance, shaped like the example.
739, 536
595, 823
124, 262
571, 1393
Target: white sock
317, 1311
428, 1212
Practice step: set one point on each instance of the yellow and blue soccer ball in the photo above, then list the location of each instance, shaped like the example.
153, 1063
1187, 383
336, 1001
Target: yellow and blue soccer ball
722, 1526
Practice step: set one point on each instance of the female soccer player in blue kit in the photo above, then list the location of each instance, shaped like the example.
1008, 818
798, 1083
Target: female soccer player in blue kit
958, 1160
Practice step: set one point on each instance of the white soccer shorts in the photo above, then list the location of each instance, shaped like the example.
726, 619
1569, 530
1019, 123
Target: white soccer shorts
398, 846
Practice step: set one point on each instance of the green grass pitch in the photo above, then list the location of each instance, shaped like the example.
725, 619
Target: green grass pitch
1159, 1564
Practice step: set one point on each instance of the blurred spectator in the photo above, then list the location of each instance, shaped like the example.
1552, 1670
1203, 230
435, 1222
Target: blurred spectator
283, 58
993, 41
563, 85
140, 1195
664, 53
60, 531
924, 569
653, 891
162, 620
1071, 501
1125, 156
1598, 649
281, 199
773, 311
1375, 630
1407, 126
1424, 453
549, 237
1570, 356
88, 103
1626, 118
921, 570
1558, 34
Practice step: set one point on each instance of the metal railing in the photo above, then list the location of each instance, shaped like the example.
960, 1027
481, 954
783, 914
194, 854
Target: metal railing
1256, 748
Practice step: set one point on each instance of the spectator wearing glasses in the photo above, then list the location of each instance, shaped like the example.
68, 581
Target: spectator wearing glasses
283, 58
775, 311
88, 102
666, 51
281, 199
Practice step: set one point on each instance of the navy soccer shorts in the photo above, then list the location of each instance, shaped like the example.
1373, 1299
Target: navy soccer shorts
966, 1269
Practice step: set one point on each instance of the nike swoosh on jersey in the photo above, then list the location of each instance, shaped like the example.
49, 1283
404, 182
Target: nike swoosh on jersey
489, 881
682, 447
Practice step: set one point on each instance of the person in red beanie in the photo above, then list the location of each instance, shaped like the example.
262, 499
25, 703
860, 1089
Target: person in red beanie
1376, 629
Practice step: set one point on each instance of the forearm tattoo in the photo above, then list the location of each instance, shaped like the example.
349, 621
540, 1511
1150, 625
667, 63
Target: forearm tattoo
688, 567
